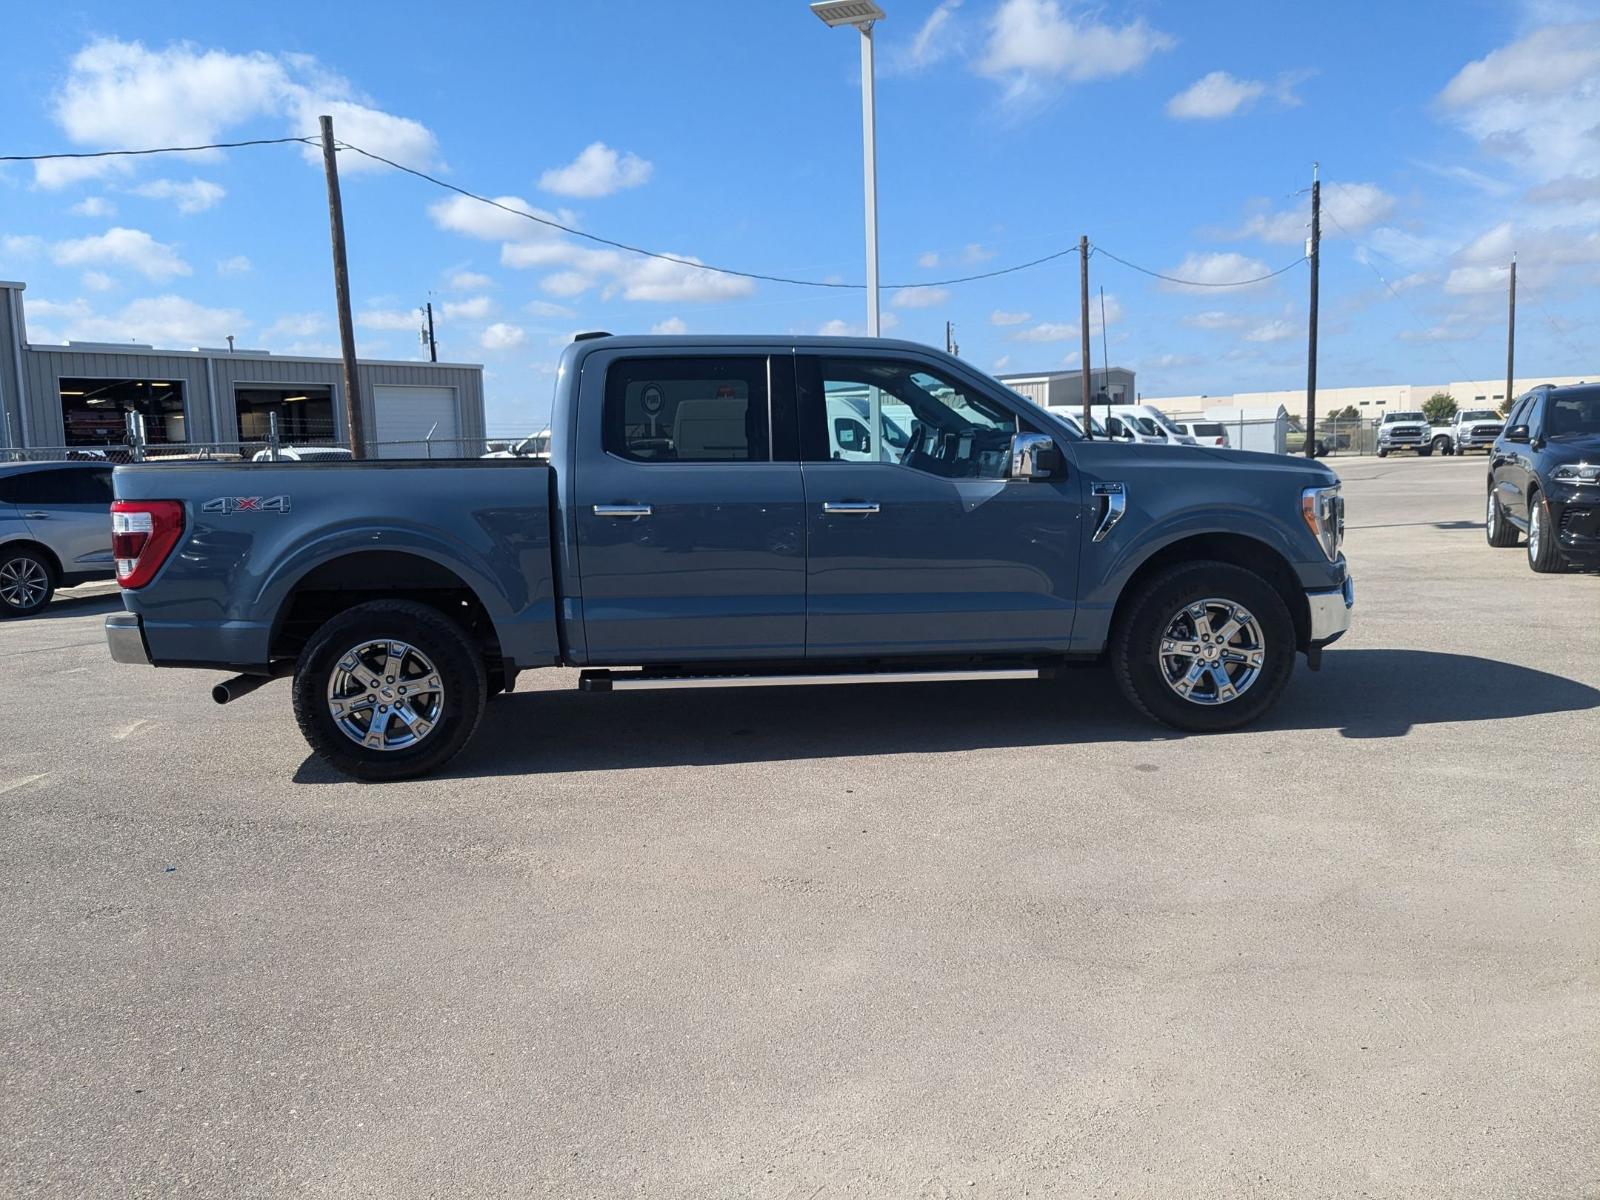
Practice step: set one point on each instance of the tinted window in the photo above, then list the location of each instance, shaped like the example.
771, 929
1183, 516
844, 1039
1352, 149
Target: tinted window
687, 409
897, 411
1206, 429
91, 485
1576, 411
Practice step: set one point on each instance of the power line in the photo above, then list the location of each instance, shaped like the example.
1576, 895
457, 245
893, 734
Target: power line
1199, 282
154, 150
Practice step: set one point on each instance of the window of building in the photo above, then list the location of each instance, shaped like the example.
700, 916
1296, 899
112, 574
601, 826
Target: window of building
94, 412
708, 409
304, 411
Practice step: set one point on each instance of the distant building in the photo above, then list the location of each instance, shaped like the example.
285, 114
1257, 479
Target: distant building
1371, 402
78, 396
1064, 389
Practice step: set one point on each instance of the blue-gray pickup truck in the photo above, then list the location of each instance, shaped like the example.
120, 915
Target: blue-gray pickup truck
729, 512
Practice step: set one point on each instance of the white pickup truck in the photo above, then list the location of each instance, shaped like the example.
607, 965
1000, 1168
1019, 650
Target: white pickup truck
1469, 429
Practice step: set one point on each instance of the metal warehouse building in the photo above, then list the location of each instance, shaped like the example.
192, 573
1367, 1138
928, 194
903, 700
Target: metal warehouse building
1064, 389
57, 398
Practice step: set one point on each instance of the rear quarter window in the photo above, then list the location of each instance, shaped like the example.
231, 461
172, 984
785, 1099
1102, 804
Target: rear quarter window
710, 409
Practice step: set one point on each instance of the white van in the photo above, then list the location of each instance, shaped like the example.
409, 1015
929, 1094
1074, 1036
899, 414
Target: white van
1204, 433
1140, 423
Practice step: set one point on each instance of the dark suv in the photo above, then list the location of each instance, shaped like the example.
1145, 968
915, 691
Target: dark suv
1544, 477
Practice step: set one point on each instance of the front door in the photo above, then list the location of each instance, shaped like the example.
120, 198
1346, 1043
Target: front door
920, 544
689, 513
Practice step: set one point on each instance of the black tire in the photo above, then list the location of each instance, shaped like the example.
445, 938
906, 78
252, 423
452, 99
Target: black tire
1442, 446
1424, 451
27, 581
439, 640
1383, 454
1499, 532
1544, 554
1144, 619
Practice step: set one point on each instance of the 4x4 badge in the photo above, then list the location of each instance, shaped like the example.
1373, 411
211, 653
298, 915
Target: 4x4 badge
235, 504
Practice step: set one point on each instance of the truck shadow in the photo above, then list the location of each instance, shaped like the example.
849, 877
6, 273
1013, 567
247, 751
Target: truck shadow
1360, 693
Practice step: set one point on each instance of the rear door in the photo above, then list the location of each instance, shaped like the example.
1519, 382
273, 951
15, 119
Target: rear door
69, 510
688, 507
928, 547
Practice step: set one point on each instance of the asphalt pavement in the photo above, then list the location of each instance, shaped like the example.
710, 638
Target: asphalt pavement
994, 939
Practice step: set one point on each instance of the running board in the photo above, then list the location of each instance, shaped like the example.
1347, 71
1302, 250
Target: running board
639, 681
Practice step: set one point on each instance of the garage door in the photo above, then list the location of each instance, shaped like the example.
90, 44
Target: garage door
416, 422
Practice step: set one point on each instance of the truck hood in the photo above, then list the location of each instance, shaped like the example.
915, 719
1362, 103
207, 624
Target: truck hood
1405, 427
1221, 459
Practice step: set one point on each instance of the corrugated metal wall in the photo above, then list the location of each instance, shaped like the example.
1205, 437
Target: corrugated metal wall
44, 369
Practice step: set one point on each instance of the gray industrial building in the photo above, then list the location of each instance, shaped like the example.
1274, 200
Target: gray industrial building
1064, 389
58, 398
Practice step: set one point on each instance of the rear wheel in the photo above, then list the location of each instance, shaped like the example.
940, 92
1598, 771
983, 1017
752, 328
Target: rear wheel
27, 581
389, 690
1204, 647
1442, 445
1544, 556
1383, 454
1500, 532
1424, 451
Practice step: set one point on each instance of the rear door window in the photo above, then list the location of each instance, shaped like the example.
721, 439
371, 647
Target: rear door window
62, 486
710, 409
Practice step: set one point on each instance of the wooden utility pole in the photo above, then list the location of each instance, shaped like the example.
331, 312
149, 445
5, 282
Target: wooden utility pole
353, 422
1314, 253
433, 347
1083, 326
1511, 331
950, 346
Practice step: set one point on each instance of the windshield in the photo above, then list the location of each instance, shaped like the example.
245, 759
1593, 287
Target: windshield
1480, 414
1391, 418
1147, 427
1574, 413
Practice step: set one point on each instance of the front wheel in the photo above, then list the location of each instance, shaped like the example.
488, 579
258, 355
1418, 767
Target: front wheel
1383, 454
1204, 647
27, 581
1500, 532
389, 690
1544, 556
1424, 451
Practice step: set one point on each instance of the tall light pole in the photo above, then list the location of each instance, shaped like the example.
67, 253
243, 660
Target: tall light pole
863, 15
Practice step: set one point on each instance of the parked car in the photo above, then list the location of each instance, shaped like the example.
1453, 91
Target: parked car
1469, 429
1405, 431
1142, 423
1544, 477
698, 526
54, 530
534, 446
1204, 433
299, 454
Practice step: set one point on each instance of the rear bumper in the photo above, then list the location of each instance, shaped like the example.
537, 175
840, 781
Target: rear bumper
1331, 612
125, 637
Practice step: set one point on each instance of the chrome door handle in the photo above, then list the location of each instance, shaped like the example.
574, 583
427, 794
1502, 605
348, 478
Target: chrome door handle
850, 508
624, 511
36, 516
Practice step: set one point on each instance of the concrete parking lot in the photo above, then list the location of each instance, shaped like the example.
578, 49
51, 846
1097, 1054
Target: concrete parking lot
935, 940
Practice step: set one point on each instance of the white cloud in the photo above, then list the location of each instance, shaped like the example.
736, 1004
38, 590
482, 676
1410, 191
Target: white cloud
920, 297
839, 328
95, 206
544, 308
1047, 331
196, 195
501, 336
1031, 41
21, 245
1213, 319
123, 94
237, 265
973, 253
472, 309
1001, 363
567, 283
1273, 331
131, 248
98, 281
1211, 270
462, 214
597, 171
1000, 317
928, 259
670, 282
469, 281
933, 41
295, 325
672, 325
390, 319
1533, 102
1215, 95
165, 321
1347, 208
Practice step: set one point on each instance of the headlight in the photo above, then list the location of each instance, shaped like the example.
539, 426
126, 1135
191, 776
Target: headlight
1577, 473
1323, 512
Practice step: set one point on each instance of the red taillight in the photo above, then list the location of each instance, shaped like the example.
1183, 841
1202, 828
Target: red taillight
143, 533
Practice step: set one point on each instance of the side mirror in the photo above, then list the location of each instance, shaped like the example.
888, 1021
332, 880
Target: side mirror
1034, 456
851, 435
1517, 433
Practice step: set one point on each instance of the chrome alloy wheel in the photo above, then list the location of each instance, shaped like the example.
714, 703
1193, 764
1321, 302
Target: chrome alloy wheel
1212, 651
1535, 530
23, 582
385, 695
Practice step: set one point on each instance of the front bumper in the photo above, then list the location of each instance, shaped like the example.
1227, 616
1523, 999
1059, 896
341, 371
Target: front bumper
1330, 612
125, 637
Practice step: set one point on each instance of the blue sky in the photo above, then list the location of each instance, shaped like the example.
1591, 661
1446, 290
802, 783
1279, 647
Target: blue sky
1177, 136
